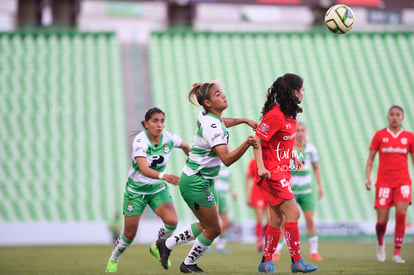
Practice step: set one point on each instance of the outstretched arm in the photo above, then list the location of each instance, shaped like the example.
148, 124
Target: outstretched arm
151, 173
368, 169
230, 122
228, 158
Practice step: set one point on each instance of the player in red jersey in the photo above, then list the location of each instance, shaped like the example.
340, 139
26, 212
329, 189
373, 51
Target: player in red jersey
255, 200
393, 186
276, 135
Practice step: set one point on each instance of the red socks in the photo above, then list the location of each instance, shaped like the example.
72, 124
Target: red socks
259, 235
399, 232
272, 237
292, 240
380, 228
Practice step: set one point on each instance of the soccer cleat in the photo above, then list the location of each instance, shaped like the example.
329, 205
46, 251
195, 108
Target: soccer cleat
193, 268
156, 253
112, 266
381, 253
302, 266
267, 267
276, 256
164, 252
315, 257
397, 259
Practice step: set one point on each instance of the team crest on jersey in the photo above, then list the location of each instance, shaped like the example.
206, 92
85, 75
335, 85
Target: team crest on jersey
264, 128
130, 207
404, 141
166, 148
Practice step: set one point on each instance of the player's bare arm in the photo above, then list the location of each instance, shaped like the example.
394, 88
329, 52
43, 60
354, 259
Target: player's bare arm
368, 169
230, 122
151, 173
228, 158
186, 148
317, 173
261, 170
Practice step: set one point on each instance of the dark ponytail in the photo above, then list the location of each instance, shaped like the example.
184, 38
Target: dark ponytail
281, 93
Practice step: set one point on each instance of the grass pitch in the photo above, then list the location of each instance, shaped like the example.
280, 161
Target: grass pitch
338, 258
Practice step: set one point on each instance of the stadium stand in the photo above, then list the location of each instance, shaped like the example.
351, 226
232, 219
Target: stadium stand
350, 82
63, 126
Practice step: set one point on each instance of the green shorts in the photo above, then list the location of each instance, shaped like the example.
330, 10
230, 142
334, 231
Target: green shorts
134, 204
305, 201
222, 202
197, 191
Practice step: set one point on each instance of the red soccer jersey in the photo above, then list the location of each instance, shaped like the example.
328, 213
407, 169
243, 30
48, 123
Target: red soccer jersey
393, 163
278, 136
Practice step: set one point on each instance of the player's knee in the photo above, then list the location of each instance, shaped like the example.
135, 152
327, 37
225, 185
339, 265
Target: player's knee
215, 231
130, 234
172, 221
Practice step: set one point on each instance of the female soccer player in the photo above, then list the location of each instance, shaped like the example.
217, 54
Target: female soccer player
197, 180
146, 182
393, 186
276, 134
255, 200
302, 187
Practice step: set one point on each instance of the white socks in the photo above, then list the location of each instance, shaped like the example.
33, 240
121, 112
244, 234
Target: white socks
180, 238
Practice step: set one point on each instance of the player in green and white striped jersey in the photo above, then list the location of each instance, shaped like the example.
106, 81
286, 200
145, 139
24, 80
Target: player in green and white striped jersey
301, 182
146, 182
197, 180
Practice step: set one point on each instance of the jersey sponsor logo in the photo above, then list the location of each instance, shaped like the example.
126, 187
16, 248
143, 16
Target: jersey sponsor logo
292, 136
264, 128
282, 153
155, 160
405, 191
404, 141
394, 150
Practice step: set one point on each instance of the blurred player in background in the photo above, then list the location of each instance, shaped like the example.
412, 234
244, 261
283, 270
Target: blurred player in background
276, 135
146, 182
223, 187
255, 200
115, 226
393, 186
197, 180
302, 188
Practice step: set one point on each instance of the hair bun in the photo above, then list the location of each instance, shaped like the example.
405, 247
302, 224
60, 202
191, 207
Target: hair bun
197, 85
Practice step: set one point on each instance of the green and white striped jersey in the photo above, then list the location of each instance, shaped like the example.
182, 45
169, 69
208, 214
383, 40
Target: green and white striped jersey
157, 157
211, 132
302, 180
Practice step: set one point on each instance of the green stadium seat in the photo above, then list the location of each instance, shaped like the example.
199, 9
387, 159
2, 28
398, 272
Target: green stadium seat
65, 124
